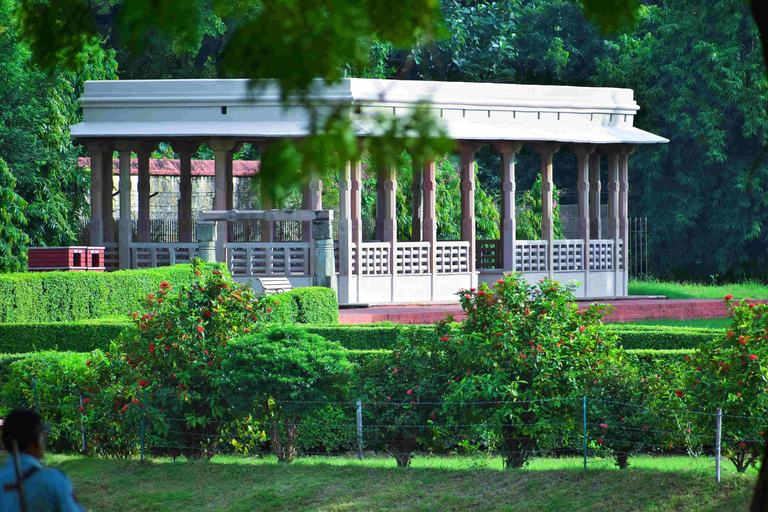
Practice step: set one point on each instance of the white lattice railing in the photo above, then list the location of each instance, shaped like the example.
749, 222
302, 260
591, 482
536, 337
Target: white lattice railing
152, 255
451, 257
111, 256
621, 254
567, 255
375, 258
489, 254
337, 259
412, 258
268, 259
601, 254
531, 255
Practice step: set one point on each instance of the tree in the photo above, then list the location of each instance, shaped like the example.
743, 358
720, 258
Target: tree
35, 115
12, 219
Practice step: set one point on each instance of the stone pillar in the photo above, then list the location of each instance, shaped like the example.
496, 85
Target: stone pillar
325, 267
624, 210
206, 241
595, 223
125, 236
96, 151
357, 213
417, 211
468, 150
185, 150
547, 150
508, 226
583, 152
613, 200
107, 172
266, 228
221, 150
380, 202
311, 199
429, 189
144, 151
230, 195
345, 221
389, 210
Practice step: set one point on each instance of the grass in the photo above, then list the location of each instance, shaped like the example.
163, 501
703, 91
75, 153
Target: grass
432, 483
748, 290
708, 323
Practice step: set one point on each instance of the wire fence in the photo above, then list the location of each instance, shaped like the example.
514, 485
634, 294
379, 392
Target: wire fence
593, 428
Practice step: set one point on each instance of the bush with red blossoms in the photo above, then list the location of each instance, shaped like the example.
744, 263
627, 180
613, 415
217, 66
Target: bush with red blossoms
174, 356
730, 372
402, 390
522, 346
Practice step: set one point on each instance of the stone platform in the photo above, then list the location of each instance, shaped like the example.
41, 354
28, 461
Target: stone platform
627, 310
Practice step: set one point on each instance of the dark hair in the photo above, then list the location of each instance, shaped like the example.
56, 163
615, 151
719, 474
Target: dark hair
23, 426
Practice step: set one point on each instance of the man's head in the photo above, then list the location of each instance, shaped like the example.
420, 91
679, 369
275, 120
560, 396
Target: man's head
27, 429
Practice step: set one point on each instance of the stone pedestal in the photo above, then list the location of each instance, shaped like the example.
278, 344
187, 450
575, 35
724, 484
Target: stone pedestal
325, 265
206, 241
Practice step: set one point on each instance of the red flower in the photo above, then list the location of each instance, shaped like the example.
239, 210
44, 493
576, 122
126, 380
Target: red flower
151, 297
729, 297
730, 334
164, 285
600, 440
81, 408
753, 356
143, 383
277, 303
679, 393
738, 394
216, 272
87, 400
743, 444
410, 391
135, 401
207, 313
394, 371
205, 352
200, 328
152, 348
88, 363
125, 408
247, 330
687, 358
269, 310
444, 338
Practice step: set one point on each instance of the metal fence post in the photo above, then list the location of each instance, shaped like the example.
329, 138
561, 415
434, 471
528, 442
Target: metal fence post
584, 419
82, 425
34, 392
143, 423
360, 430
717, 443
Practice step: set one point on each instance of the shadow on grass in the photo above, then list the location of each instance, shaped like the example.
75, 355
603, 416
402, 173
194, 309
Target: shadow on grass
126, 485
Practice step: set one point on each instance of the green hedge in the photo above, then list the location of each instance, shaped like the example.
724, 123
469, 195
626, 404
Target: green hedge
82, 336
316, 305
662, 338
359, 337
633, 337
71, 296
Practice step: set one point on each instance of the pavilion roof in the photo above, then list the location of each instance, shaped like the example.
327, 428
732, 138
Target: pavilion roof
168, 109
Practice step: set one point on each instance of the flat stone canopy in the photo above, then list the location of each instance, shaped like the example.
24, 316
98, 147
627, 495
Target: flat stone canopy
167, 109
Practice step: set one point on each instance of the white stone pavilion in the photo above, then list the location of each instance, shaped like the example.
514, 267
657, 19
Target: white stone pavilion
127, 116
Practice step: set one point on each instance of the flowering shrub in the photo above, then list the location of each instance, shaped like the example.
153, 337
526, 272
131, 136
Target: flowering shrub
729, 372
286, 374
395, 385
526, 349
173, 356
623, 417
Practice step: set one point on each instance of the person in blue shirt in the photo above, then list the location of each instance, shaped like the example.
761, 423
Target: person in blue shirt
41, 489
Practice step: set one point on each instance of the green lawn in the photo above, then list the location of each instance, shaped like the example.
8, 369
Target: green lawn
432, 483
749, 290
709, 323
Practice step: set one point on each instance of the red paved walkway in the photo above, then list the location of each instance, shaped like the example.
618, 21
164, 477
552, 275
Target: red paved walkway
627, 310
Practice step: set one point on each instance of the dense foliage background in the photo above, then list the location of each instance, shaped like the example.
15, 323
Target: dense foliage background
696, 68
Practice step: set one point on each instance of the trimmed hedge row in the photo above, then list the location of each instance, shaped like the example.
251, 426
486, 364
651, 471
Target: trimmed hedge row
71, 296
634, 337
661, 338
86, 335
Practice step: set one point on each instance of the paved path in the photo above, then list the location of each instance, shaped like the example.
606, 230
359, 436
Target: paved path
627, 310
